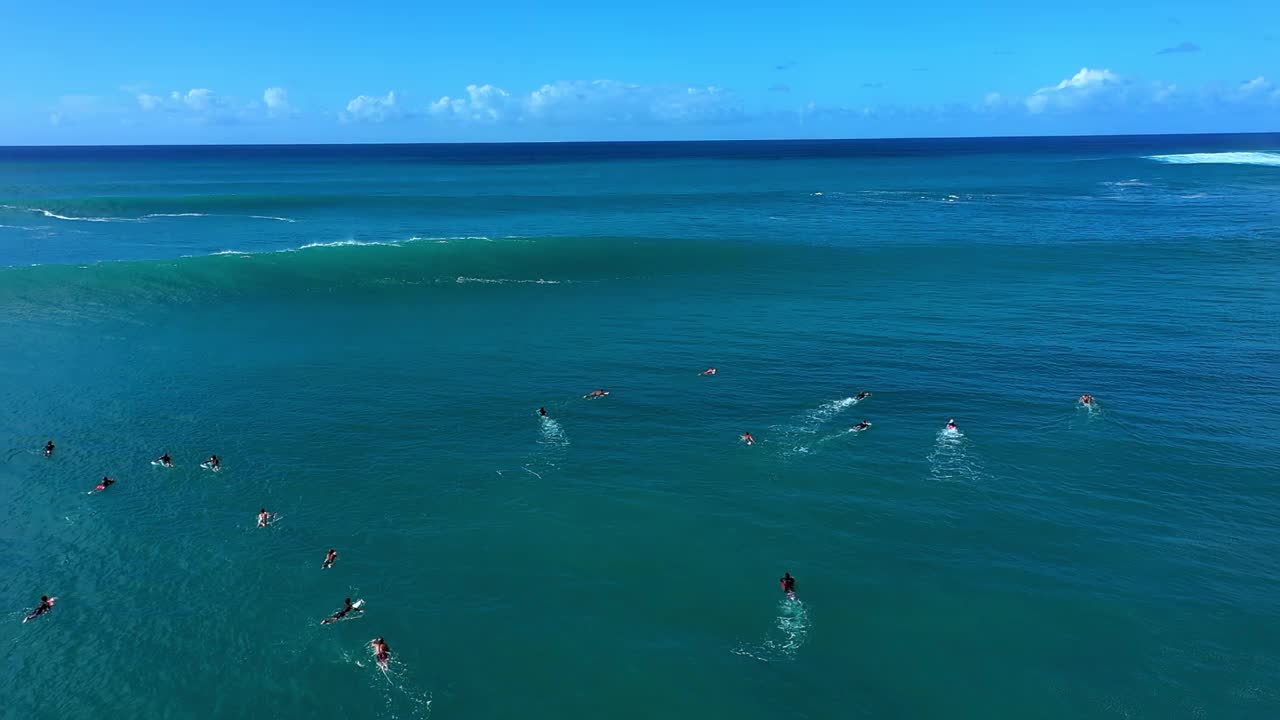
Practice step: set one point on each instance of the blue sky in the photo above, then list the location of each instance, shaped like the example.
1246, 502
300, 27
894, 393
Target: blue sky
132, 72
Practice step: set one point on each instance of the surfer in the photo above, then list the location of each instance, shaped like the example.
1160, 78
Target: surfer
330, 559
788, 585
862, 396
748, 438
709, 371
48, 449
106, 483
1086, 400
214, 462
347, 607
264, 518
165, 460
862, 426
46, 604
381, 651
951, 425
542, 411
596, 394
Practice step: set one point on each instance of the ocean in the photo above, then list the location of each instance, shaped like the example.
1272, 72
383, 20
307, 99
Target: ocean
365, 335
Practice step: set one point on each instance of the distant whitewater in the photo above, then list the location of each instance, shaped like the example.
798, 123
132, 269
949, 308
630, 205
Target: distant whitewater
1220, 158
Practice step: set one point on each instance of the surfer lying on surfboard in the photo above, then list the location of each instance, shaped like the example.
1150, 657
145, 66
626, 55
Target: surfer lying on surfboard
709, 371
788, 585
347, 607
164, 460
214, 463
381, 651
48, 449
748, 438
862, 426
330, 559
596, 394
46, 604
106, 483
264, 518
862, 396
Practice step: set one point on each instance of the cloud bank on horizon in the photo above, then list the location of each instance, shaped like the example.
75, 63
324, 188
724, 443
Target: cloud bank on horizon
836, 80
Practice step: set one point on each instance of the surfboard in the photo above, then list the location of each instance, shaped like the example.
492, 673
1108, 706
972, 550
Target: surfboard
207, 466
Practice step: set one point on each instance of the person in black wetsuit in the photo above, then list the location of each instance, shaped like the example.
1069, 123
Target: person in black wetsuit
45, 606
346, 608
48, 449
788, 584
542, 411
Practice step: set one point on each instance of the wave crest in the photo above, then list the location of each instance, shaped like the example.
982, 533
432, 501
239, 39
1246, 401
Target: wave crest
1271, 159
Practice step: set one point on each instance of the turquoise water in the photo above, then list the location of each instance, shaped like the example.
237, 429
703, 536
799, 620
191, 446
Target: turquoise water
364, 335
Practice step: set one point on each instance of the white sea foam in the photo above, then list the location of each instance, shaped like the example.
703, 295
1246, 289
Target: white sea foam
175, 215
790, 631
1220, 158
503, 281
273, 217
343, 243
552, 433
417, 238
1131, 182
951, 460
76, 218
797, 434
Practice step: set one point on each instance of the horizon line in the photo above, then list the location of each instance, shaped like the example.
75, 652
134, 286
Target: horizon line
649, 142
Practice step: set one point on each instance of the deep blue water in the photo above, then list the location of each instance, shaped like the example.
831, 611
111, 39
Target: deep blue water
364, 334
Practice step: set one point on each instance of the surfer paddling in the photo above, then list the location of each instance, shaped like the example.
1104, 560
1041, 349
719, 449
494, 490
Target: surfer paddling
381, 652
46, 604
951, 426
1086, 400
862, 396
264, 518
788, 585
164, 460
106, 483
709, 371
347, 607
330, 559
48, 449
861, 426
748, 438
596, 394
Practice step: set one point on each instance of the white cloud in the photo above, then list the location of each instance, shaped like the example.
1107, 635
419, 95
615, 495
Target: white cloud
605, 101
371, 108
205, 105
1257, 85
483, 103
276, 100
198, 99
1073, 91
